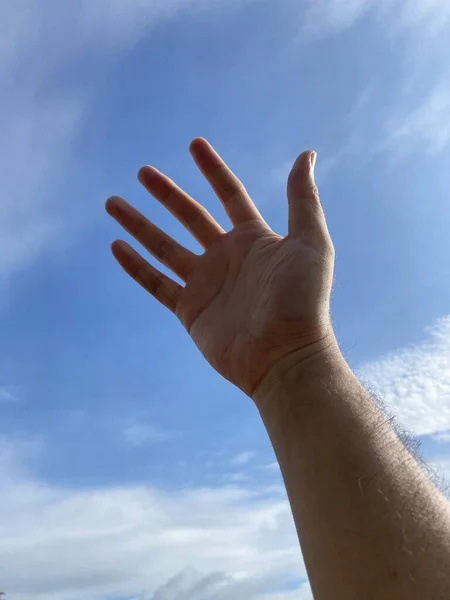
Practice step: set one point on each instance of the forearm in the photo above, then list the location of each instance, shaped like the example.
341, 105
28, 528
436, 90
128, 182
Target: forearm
370, 523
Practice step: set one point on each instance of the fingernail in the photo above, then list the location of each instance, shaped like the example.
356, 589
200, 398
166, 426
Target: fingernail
116, 205
148, 174
312, 160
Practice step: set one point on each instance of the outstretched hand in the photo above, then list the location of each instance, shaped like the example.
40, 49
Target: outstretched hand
253, 299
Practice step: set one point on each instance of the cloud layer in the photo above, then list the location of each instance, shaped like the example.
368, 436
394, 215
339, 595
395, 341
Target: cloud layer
123, 540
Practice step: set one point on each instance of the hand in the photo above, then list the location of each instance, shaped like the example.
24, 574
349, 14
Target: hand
253, 299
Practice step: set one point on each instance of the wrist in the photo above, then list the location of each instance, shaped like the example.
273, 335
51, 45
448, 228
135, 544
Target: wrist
298, 370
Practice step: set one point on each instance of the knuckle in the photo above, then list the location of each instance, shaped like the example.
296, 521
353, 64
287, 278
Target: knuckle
163, 249
168, 196
147, 279
139, 273
198, 219
154, 286
234, 192
138, 228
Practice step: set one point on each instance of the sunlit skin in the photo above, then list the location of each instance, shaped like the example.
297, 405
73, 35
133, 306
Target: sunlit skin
371, 524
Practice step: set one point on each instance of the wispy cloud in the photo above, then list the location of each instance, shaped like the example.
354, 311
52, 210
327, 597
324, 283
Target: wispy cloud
405, 126
430, 16
141, 434
40, 122
6, 396
38, 125
237, 477
326, 15
325, 163
415, 381
35, 141
426, 126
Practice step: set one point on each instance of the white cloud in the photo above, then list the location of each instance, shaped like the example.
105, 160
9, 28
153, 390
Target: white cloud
127, 539
242, 458
415, 381
140, 434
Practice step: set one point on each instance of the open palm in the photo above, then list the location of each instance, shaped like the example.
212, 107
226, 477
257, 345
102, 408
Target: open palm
252, 298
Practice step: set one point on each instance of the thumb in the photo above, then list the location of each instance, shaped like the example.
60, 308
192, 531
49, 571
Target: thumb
305, 212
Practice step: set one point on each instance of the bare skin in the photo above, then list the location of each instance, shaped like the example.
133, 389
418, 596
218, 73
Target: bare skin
257, 305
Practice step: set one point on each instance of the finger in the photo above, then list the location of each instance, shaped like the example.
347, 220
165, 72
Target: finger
157, 242
229, 189
306, 217
156, 283
190, 213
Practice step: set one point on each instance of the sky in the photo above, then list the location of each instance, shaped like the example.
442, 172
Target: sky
129, 469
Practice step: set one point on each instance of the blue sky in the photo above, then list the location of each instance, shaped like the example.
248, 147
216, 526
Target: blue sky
131, 467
